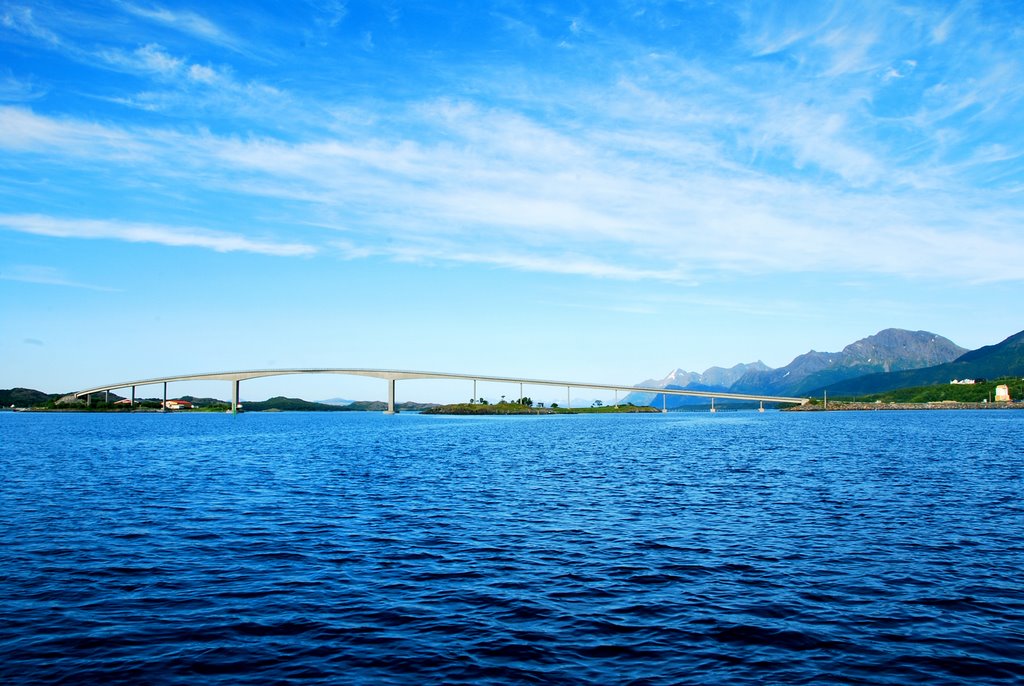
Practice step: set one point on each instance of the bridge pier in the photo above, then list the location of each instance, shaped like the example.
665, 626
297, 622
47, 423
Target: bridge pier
163, 408
713, 405
132, 405
761, 409
234, 395
664, 403
391, 397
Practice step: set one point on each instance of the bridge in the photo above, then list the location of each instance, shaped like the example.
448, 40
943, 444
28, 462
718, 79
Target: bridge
391, 376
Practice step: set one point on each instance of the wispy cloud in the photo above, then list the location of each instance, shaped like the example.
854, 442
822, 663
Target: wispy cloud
185, 21
21, 19
175, 236
676, 170
569, 205
49, 276
19, 90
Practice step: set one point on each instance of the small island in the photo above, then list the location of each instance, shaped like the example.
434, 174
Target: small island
526, 406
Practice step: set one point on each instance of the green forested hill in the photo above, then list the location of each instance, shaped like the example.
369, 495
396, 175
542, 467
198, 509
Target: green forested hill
974, 393
24, 397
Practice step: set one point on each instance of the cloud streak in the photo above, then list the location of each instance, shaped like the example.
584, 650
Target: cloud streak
174, 236
48, 276
184, 21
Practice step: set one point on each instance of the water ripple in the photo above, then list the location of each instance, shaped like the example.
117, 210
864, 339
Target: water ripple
742, 549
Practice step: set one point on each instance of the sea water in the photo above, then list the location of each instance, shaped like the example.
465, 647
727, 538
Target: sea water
351, 548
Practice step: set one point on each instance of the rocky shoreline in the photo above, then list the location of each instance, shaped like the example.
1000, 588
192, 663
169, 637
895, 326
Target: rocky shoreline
839, 406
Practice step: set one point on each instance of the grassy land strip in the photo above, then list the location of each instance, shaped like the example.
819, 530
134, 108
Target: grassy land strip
515, 408
974, 393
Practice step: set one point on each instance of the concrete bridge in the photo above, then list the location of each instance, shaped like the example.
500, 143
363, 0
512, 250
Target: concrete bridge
391, 376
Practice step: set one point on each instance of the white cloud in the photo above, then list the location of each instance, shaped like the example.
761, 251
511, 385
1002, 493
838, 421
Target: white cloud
21, 19
676, 170
149, 58
184, 21
175, 236
203, 74
504, 204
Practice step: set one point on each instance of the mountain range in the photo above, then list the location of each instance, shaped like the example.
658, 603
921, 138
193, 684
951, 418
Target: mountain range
1005, 358
892, 358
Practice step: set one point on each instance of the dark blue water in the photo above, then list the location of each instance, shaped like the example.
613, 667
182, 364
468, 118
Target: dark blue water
357, 548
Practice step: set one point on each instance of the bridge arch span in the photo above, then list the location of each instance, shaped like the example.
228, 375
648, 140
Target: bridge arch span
393, 375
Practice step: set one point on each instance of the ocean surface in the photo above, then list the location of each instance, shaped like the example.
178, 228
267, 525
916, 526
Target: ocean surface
352, 548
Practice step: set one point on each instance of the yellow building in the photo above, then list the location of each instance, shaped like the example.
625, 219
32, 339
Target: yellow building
1002, 393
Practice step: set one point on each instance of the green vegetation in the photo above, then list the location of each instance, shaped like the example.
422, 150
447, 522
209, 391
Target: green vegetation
507, 408
975, 393
27, 398
486, 408
282, 404
24, 397
609, 409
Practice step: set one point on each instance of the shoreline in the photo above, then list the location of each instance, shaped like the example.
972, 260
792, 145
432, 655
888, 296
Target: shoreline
841, 406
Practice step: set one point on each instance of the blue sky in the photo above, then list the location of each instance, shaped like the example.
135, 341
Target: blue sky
589, 191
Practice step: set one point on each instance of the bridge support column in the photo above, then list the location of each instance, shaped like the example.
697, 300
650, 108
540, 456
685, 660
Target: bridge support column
616, 397
713, 405
568, 397
132, 406
106, 397
761, 409
88, 399
474, 392
234, 396
664, 403
391, 397
163, 408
